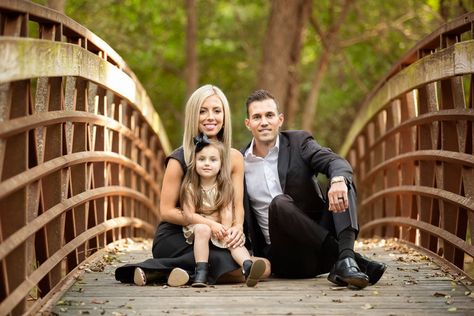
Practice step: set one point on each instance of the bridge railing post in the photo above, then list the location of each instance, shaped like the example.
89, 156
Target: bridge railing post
412, 148
81, 153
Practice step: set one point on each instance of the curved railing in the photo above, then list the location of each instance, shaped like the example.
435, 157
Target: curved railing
81, 152
412, 148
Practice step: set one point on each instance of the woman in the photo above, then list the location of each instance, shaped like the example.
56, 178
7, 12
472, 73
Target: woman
207, 111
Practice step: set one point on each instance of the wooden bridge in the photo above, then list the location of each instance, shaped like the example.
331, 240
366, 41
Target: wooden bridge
81, 163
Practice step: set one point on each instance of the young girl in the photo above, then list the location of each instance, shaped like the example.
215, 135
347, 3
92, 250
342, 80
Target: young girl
206, 196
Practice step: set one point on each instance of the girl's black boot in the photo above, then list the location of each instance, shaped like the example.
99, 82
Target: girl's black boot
200, 277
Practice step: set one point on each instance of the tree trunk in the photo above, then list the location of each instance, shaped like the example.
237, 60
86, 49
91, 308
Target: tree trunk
57, 5
312, 100
192, 70
330, 42
281, 51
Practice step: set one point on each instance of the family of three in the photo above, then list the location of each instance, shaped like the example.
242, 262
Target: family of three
213, 196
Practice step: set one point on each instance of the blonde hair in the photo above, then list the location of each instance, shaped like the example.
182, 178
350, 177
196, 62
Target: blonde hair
191, 120
191, 185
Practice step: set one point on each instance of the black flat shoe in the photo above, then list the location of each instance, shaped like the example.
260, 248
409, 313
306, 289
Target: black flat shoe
373, 269
347, 272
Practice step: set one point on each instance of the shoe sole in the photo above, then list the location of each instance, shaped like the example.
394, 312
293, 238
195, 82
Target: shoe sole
199, 284
336, 280
178, 277
355, 282
256, 271
139, 277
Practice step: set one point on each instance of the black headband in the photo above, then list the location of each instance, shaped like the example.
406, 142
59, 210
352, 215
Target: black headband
201, 141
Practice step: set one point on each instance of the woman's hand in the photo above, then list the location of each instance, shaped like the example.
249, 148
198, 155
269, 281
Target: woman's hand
235, 236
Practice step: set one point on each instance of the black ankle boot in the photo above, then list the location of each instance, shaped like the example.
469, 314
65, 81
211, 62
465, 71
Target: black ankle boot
253, 271
200, 277
246, 266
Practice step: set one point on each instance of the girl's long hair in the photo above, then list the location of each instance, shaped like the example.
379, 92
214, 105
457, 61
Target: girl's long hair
191, 120
191, 185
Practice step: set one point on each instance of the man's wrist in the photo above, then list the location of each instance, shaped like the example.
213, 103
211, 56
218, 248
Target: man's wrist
338, 179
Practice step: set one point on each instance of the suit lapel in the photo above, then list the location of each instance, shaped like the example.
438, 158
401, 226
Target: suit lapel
283, 160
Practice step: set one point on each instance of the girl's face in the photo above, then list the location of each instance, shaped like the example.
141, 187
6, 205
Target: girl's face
211, 116
208, 162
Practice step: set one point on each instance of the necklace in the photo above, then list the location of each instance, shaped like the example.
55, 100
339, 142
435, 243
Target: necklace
209, 188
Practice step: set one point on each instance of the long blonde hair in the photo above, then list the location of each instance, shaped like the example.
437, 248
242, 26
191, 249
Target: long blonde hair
191, 185
191, 120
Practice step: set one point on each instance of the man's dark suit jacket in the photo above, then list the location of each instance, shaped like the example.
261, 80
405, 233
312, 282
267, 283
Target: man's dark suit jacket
300, 159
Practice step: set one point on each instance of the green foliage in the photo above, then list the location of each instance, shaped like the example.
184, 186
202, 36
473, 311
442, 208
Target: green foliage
374, 36
150, 36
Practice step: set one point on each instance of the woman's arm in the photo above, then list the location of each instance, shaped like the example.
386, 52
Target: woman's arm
226, 216
170, 194
235, 233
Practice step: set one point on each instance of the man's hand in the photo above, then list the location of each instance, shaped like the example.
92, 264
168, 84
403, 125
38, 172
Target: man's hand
337, 196
235, 237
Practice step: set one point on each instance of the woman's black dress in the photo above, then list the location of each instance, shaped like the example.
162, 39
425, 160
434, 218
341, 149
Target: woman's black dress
170, 250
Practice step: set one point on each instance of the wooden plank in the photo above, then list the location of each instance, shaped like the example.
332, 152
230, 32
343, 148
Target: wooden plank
412, 285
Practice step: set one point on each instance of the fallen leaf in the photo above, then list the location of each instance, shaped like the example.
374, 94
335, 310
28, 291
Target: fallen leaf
452, 309
338, 288
367, 306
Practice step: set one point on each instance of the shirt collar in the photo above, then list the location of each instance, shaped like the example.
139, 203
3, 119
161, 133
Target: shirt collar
249, 151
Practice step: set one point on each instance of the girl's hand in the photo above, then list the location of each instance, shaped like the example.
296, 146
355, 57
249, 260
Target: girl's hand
218, 230
235, 236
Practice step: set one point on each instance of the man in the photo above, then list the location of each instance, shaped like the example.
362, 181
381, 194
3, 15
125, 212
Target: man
287, 218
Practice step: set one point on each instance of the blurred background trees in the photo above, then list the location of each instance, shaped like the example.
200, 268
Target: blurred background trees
320, 58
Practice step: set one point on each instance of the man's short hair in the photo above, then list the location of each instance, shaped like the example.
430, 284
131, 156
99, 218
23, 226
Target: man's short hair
260, 95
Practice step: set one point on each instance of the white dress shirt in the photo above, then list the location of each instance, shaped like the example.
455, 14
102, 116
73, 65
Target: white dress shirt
263, 183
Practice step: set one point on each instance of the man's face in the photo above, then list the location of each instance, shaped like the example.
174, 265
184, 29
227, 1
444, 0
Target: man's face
264, 121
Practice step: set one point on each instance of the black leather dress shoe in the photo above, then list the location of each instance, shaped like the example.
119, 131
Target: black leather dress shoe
346, 272
373, 269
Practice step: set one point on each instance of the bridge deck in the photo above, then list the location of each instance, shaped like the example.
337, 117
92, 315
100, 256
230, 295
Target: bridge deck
411, 285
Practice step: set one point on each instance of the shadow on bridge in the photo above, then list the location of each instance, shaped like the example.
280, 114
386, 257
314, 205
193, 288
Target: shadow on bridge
82, 148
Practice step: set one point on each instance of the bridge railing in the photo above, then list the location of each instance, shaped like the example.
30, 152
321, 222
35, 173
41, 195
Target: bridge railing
81, 152
412, 148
